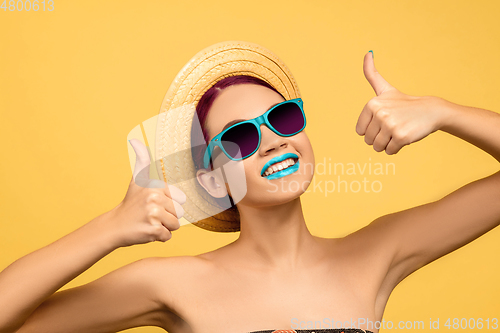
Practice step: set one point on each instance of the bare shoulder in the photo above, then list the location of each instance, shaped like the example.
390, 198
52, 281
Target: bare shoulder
367, 254
326, 242
183, 270
181, 262
175, 270
165, 274
358, 250
370, 245
175, 281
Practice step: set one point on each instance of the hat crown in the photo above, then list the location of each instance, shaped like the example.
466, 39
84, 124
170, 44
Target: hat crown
178, 108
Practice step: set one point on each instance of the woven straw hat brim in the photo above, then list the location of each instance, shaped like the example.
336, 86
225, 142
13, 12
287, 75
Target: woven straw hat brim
178, 108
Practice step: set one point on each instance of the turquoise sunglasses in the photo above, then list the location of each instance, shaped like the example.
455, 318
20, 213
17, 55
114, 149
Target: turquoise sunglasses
242, 140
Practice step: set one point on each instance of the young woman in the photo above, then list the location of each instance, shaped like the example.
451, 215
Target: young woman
276, 275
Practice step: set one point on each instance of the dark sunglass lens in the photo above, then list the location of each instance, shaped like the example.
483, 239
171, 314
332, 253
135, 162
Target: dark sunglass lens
243, 137
287, 118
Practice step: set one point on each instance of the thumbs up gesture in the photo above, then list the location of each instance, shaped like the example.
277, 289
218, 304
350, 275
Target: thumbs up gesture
392, 120
150, 209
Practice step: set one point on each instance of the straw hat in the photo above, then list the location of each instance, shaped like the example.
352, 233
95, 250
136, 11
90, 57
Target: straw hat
173, 133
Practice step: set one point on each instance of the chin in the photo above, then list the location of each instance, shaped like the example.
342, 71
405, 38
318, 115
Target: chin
276, 191
273, 199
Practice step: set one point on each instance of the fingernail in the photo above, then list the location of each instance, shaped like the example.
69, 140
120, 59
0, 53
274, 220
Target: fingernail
373, 56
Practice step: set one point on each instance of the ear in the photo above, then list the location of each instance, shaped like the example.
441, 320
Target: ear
212, 182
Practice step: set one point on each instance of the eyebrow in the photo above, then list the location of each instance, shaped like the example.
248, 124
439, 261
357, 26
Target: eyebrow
232, 122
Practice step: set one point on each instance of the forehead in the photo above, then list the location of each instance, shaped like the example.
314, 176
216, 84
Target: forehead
241, 101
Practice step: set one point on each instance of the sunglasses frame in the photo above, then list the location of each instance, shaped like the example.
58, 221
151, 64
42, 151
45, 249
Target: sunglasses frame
257, 122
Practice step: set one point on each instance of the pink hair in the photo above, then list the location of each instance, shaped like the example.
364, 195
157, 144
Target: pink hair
202, 110
206, 102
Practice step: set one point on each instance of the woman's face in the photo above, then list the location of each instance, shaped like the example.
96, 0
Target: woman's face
247, 101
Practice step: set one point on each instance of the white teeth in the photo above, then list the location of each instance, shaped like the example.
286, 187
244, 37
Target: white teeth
279, 166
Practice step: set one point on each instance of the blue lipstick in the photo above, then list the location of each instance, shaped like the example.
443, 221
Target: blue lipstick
284, 172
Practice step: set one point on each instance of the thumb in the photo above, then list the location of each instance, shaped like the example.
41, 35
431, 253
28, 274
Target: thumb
378, 83
142, 162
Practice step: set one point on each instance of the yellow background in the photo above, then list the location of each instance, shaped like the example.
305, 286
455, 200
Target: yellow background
75, 81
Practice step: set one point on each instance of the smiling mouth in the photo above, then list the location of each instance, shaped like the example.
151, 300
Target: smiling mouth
289, 162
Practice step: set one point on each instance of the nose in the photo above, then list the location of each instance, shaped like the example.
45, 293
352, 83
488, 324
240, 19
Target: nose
270, 141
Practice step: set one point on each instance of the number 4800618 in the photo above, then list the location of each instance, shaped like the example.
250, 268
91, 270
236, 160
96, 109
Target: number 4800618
28, 5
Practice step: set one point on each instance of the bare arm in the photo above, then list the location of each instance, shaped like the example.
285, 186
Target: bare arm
28, 281
125, 298
404, 241
477, 126
422, 234
121, 298
412, 238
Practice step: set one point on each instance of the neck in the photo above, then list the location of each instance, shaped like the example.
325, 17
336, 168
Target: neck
275, 236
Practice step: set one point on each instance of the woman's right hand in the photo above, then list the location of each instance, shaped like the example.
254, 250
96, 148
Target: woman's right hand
151, 208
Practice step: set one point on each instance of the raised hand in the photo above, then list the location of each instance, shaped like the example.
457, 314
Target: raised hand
150, 209
392, 120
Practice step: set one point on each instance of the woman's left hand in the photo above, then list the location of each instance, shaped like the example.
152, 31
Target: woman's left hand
392, 120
